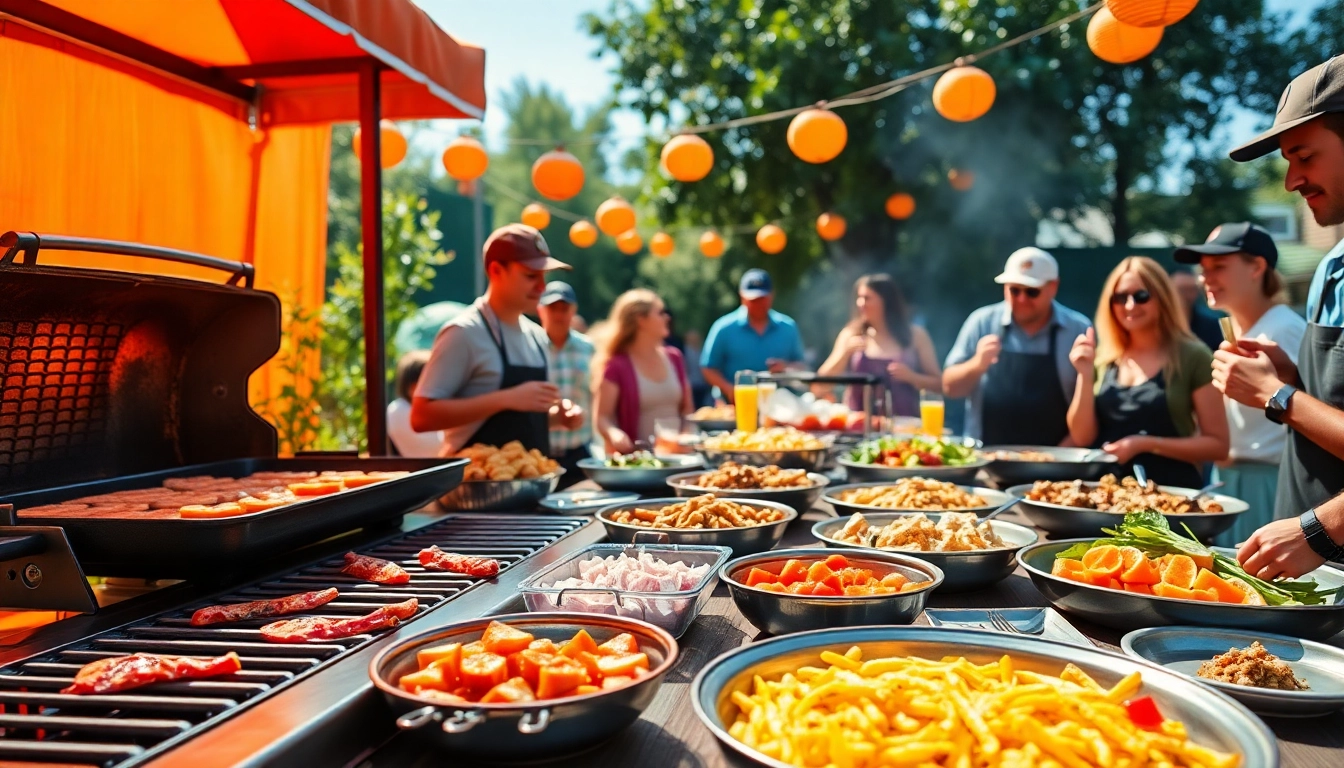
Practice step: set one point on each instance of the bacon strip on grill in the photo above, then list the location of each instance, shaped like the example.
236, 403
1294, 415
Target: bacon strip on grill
304, 601
375, 570
126, 672
468, 565
306, 628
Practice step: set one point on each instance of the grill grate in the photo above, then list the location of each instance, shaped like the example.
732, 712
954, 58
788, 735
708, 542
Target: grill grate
53, 389
40, 724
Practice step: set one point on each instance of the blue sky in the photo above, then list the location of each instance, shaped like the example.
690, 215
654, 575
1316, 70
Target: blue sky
542, 40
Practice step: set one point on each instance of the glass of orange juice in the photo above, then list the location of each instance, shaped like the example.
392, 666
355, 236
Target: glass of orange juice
931, 413
745, 399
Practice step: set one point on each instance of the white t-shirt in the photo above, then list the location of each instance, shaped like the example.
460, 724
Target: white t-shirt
409, 443
1254, 437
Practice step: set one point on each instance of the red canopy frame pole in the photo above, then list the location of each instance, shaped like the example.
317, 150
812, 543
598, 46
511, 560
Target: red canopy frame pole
371, 229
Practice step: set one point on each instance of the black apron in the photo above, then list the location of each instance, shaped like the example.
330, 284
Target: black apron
530, 429
1022, 401
1142, 410
1309, 475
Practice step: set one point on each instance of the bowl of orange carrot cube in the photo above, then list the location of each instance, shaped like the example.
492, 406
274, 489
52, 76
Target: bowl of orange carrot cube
796, 590
1127, 588
524, 686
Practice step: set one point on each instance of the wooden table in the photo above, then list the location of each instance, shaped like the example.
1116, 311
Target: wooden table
669, 735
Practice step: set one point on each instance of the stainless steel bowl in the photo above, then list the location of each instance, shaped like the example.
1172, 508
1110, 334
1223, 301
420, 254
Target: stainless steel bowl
743, 541
638, 479
1184, 649
783, 613
532, 731
813, 460
1068, 464
501, 495
1211, 719
863, 473
1059, 520
800, 499
713, 425
962, 571
993, 500
1130, 610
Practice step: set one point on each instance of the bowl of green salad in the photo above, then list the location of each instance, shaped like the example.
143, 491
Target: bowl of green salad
640, 471
949, 459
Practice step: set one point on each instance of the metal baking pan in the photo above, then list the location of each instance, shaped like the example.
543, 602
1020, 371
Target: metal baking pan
167, 548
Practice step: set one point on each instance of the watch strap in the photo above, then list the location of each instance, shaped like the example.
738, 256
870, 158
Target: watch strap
1317, 537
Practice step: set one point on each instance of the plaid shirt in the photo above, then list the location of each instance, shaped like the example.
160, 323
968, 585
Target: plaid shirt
569, 372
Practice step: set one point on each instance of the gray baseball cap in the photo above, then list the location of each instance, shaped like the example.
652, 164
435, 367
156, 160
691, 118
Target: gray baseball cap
1313, 93
558, 290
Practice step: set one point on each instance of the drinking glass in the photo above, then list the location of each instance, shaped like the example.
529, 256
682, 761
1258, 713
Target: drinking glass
745, 399
931, 413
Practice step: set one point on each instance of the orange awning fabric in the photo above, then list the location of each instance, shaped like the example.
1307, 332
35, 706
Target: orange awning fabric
427, 73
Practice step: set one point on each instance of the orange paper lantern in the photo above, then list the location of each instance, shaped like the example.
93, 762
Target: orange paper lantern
687, 158
711, 244
629, 242
536, 216
771, 239
817, 135
831, 226
557, 175
465, 159
583, 234
615, 216
393, 150
960, 180
1117, 42
964, 93
901, 205
661, 244
1150, 13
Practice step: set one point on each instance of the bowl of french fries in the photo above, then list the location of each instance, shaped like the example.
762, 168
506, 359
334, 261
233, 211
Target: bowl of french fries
746, 526
509, 478
965, 697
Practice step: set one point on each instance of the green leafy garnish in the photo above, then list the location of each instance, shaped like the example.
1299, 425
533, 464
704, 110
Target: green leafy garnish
913, 452
636, 460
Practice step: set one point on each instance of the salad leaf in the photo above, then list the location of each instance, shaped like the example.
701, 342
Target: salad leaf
909, 449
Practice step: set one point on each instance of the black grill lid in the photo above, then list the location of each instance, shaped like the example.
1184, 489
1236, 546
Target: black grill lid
108, 373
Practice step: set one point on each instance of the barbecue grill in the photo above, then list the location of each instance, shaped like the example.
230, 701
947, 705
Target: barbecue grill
113, 381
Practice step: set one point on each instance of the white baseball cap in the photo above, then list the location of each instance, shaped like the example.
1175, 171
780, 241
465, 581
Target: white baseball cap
1029, 266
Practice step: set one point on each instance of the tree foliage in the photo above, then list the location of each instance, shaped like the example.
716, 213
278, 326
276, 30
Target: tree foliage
1068, 132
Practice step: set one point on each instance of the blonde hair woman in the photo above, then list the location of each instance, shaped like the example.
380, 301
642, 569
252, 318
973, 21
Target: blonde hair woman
638, 379
1145, 390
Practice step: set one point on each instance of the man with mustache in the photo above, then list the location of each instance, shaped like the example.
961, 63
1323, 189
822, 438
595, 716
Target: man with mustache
1308, 396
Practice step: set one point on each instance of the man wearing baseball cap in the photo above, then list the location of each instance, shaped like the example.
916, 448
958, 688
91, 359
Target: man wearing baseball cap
1308, 395
486, 379
1011, 359
752, 337
1238, 260
571, 355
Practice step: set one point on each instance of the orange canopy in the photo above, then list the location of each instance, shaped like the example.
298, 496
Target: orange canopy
303, 54
204, 125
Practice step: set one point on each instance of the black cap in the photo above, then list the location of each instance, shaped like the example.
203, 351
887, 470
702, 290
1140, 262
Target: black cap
558, 290
1238, 237
755, 284
1311, 94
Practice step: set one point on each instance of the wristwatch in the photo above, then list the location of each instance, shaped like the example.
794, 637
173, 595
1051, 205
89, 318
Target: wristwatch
1317, 538
1277, 405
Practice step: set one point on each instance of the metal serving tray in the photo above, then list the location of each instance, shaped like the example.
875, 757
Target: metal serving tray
166, 548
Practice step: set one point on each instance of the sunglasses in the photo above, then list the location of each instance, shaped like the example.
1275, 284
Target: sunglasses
1140, 297
1031, 293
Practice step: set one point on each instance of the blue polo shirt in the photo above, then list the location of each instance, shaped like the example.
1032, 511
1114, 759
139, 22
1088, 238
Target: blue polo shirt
733, 345
1332, 303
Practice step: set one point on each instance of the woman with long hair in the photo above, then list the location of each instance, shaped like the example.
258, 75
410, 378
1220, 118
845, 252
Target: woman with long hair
1239, 278
881, 340
1145, 384
637, 378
